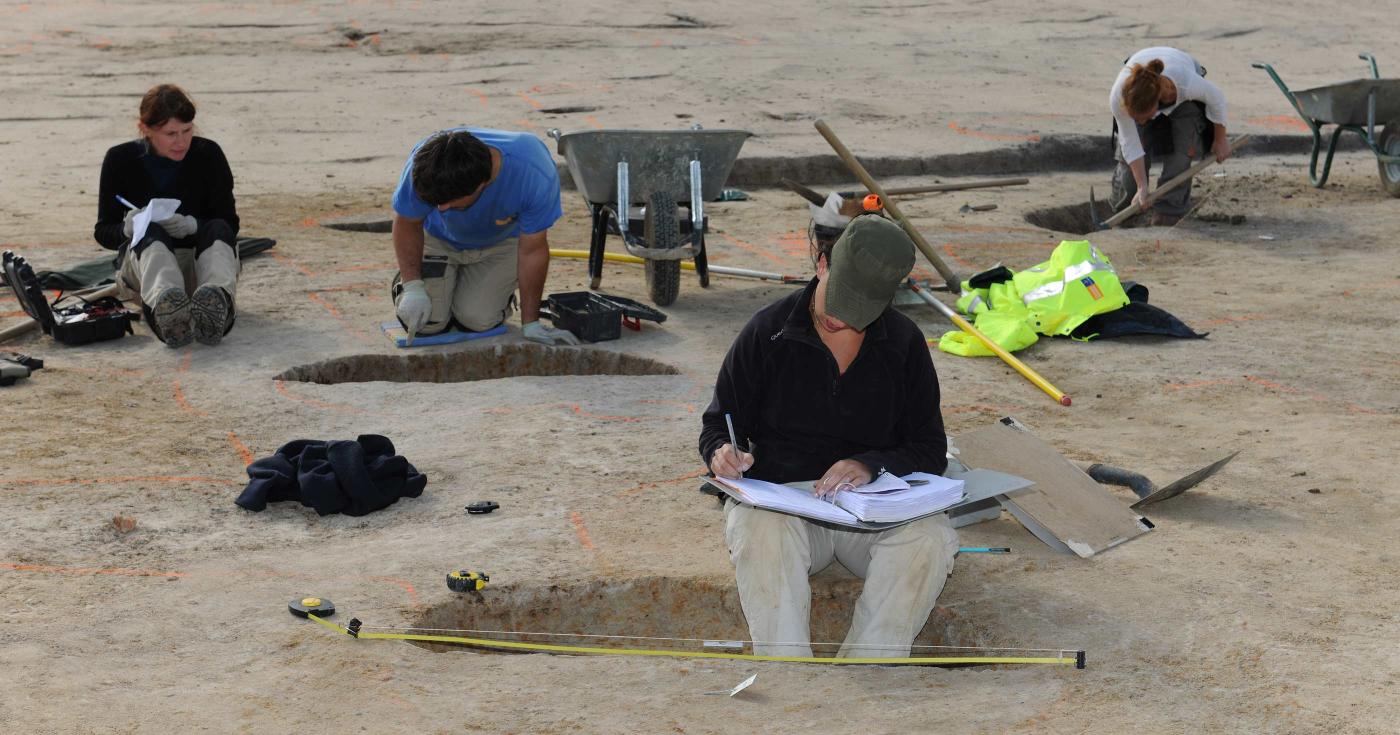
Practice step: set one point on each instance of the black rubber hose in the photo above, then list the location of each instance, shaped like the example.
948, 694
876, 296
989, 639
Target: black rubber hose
1110, 475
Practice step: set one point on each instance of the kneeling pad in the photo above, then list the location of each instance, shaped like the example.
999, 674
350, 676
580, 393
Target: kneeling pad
399, 336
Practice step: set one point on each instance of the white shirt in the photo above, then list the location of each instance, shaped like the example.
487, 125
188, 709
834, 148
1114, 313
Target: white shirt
1180, 68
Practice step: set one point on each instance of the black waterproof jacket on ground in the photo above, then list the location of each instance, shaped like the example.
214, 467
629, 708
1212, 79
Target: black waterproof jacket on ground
350, 477
787, 397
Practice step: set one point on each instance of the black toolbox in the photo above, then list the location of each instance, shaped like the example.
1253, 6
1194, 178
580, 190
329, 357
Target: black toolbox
86, 321
595, 317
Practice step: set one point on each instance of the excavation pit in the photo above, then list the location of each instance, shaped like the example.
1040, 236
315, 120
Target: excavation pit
658, 613
489, 363
1076, 219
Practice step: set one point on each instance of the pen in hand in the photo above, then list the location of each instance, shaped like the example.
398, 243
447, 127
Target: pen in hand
733, 441
125, 203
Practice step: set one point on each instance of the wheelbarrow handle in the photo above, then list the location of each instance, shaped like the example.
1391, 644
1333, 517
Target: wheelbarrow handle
1369, 57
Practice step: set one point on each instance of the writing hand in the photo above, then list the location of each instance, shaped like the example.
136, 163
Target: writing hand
730, 463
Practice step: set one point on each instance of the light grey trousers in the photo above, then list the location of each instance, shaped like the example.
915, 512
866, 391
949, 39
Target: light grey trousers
904, 569
1188, 126
158, 267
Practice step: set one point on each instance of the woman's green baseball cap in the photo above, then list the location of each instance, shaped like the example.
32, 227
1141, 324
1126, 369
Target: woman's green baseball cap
868, 262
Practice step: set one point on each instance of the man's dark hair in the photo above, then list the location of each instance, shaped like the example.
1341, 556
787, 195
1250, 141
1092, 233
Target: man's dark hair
450, 165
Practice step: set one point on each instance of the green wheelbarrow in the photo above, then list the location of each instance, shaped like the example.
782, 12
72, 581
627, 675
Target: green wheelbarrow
1357, 106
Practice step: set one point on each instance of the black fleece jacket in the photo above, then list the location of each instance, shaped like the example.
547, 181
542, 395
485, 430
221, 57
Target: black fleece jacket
786, 395
204, 186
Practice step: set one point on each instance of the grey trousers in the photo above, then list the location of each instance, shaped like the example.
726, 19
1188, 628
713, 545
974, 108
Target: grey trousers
1187, 124
904, 569
473, 287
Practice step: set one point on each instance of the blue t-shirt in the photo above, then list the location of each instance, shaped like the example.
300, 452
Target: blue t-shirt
524, 198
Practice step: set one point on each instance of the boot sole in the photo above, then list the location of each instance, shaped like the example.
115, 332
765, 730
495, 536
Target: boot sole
210, 314
172, 318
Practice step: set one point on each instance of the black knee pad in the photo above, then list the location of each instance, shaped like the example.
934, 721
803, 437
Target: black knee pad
212, 231
154, 234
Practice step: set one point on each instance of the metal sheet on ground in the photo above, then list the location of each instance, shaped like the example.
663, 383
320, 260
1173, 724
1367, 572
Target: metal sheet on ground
1064, 504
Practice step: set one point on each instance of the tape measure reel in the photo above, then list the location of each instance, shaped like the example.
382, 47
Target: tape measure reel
319, 606
467, 581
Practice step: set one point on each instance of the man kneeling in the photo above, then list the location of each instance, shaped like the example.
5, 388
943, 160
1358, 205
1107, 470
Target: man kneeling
472, 214
833, 384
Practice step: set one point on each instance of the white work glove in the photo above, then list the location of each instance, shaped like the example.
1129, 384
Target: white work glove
127, 228
538, 332
180, 226
414, 306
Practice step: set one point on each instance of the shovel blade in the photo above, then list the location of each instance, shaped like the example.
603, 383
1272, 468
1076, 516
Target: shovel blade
1185, 483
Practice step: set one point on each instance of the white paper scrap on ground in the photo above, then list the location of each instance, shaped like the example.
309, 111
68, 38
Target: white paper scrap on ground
154, 211
741, 686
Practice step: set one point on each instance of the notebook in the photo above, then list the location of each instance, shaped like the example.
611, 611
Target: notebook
885, 503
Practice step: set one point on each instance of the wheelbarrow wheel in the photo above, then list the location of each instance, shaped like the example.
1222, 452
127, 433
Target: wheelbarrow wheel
1390, 145
662, 231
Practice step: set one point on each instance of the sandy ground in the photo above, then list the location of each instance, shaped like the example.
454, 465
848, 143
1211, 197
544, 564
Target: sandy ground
1263, 602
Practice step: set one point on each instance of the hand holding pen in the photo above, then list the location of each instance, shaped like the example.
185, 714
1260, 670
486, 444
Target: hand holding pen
728, 462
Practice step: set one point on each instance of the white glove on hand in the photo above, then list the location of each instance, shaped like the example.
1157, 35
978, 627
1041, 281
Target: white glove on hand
127, 228
537, 332
180, 226
414, 306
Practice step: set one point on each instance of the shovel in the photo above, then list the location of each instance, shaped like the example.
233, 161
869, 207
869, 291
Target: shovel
1147, 492
1160, 192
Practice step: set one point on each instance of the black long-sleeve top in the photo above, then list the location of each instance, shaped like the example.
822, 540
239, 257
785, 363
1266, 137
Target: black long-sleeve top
203, 183
787, 396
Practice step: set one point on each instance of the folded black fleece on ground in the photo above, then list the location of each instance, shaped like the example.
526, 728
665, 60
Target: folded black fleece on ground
350, 477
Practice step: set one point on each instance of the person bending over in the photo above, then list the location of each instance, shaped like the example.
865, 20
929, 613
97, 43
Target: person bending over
472, 214
832, 384
1162, 104
185, 267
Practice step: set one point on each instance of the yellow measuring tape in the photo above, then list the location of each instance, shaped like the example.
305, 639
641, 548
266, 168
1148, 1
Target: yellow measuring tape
1076, 660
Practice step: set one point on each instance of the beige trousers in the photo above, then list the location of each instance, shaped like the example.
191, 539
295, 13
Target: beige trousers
472, 286
157, 268
904, 569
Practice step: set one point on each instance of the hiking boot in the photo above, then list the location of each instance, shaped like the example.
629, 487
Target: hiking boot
212, 312
1163, 220
170, 317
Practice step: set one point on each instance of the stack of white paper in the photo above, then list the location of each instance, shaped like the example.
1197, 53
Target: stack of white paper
889, 500
922, 494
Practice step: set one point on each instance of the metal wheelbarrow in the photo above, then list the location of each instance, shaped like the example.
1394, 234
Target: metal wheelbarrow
637, 182
1357, 106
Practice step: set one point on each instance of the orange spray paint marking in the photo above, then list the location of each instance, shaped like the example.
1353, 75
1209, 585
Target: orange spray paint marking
281, 388
960, 130
88, 571
948, 250
1286, 123
317, 298
479, 95
184, 404
191, 479
528, 100
284, 260
1198, 384
581, 530
658, 483
1231, 319
593, 121
754, 249
522, 122
244, 453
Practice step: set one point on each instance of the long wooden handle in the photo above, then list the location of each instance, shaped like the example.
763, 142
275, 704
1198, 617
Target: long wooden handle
956, 187
1006, 357
1176, 181
950, 279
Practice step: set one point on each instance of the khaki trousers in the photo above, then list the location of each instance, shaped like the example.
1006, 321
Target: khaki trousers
474, 287
904, 569
157, 267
